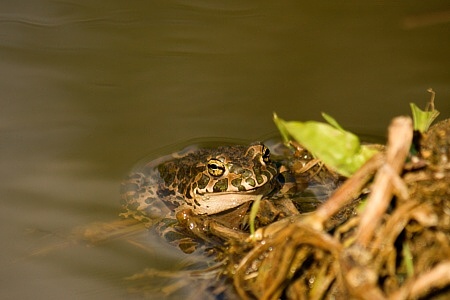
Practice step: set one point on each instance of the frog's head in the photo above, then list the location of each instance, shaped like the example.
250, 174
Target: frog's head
229, 177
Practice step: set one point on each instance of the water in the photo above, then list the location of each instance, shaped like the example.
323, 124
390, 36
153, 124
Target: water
90, 87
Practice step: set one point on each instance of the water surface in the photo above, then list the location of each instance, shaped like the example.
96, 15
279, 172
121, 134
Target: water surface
90, 87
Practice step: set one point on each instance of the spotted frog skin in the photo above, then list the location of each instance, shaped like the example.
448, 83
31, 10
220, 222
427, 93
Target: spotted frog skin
207, 181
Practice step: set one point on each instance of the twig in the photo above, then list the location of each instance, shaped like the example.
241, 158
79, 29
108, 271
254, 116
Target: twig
350, 190
437, 277
399, 142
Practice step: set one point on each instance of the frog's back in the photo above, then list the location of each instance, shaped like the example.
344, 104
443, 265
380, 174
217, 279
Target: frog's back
139, 193
155, 188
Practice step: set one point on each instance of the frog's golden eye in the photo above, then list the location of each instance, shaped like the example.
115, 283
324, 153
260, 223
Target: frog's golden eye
216, 168
265, 153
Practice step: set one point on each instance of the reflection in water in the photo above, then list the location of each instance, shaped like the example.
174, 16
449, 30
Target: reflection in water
89, 88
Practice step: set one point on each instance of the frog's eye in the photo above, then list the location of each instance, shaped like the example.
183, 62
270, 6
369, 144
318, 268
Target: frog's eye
265, 153
216, 168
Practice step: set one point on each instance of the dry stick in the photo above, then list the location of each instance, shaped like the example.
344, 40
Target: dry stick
359, 280
438, 277
284, 243
299, 235
350, 190
383, 244
399, 142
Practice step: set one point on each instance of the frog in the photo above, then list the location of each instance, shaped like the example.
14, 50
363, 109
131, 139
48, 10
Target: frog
204, 181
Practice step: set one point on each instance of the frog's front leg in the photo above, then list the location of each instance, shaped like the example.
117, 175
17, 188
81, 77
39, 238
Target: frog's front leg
189, 232
209, 228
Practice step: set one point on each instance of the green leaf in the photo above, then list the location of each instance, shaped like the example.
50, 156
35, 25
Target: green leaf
280, 125
424, 118
408, 260
253, 212
337, 148
332, 121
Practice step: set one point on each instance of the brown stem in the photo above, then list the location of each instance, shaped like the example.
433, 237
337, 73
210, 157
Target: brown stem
399, 142
437, 277
350, 190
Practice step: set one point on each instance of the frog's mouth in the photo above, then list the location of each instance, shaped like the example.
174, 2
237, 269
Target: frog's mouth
213, 203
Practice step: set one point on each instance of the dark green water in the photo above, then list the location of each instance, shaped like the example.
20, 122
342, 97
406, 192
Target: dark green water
89, 87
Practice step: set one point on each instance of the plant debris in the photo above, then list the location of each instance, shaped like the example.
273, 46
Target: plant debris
398, 247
